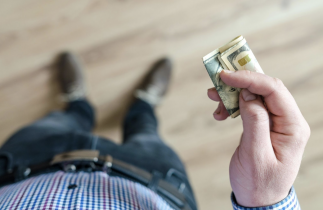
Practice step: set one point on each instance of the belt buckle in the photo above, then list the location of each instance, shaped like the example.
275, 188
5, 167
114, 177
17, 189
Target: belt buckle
76, 155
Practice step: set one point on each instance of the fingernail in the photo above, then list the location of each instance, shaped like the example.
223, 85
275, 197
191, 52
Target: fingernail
218, 110
228, 71
247, 95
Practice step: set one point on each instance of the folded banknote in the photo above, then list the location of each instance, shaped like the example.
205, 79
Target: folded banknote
234, 56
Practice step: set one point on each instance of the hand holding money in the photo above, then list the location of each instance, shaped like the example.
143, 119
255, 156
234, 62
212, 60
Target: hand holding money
235, 55
266, 162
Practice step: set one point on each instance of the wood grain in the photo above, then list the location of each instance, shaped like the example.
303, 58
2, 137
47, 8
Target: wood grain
119, 40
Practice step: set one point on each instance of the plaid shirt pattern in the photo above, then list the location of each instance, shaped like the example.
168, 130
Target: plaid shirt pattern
80, 190
97, 190
289, 203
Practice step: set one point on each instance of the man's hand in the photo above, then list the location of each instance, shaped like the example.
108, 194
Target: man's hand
265, 164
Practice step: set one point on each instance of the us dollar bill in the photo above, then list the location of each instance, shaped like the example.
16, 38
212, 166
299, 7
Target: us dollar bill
240, 57
236, 55
229, 95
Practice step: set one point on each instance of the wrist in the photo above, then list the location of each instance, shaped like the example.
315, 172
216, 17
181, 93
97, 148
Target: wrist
259, 199
290, 201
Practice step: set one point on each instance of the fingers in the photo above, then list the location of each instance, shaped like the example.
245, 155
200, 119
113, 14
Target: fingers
213, 94
256, 129
278, 99
221, 113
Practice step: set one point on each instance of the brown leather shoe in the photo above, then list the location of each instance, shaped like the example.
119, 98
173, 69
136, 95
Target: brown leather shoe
156, 83
71, 78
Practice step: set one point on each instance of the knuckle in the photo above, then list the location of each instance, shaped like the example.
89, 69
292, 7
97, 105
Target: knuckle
278, 82
302, 134
247, 72
307, 131
256, 115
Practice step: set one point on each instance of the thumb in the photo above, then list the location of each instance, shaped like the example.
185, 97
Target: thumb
256, 128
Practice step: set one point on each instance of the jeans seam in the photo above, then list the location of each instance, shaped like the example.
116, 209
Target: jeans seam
94, 142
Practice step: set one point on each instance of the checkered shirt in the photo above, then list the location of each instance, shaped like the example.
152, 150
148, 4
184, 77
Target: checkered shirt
289, 203
95, 190
80, 190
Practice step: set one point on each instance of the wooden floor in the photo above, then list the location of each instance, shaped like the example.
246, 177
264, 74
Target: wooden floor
119, 39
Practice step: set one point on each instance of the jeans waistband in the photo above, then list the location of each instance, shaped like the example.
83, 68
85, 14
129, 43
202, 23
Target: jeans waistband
172, 188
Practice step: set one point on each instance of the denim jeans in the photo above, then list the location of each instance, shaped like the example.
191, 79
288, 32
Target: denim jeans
63, 131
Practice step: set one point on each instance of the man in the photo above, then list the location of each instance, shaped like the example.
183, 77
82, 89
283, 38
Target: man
56, 163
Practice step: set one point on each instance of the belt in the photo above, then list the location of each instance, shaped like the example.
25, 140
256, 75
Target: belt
90, 160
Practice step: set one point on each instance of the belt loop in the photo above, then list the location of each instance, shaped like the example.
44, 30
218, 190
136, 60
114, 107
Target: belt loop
153, 184
108, 161
174, 175
9, 158
21, 173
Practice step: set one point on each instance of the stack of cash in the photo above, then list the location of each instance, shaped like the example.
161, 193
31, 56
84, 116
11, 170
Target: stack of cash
235, 55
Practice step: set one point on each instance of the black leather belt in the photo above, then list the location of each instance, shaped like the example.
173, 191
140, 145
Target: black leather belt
90, 160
